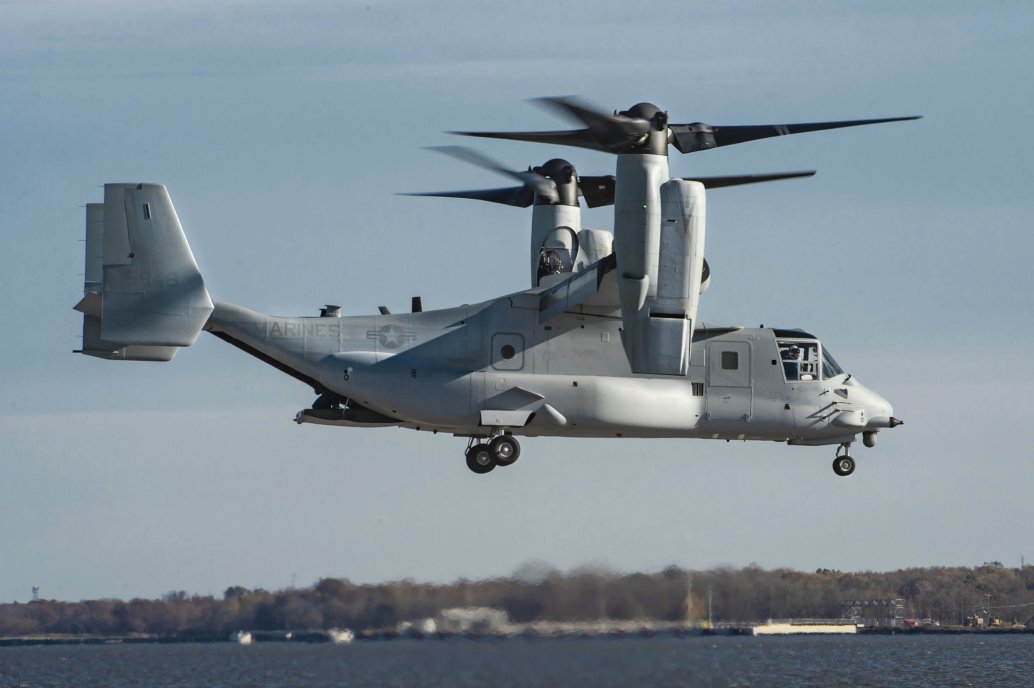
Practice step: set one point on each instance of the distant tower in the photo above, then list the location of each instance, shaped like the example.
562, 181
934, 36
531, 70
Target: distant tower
35, 593
689, 598
710, 614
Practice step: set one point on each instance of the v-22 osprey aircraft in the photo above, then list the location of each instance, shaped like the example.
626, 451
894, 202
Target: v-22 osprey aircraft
605, 343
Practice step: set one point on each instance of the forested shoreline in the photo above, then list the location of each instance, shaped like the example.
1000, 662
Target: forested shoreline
537, 593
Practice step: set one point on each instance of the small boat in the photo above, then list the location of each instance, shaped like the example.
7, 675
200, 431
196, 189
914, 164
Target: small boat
340, 636
242, 638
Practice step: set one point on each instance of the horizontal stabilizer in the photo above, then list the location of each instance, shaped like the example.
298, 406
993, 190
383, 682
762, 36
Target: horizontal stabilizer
95, 345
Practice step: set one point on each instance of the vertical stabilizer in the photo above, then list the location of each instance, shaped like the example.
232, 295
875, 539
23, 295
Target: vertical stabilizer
144, 295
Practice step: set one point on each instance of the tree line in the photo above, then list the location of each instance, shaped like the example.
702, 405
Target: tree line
539, 593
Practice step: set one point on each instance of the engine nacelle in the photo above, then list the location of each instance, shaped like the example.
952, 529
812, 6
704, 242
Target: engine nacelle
554, 241
593, 245
658, 319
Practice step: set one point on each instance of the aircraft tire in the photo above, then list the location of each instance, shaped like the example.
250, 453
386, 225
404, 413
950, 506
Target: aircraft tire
480, 459
843, 465
505, 450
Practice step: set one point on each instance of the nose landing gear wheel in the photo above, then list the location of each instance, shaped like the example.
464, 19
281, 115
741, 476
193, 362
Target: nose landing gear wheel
480, 459
843, 465
505, 450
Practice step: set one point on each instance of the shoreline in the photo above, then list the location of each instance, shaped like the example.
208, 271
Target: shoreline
321, 637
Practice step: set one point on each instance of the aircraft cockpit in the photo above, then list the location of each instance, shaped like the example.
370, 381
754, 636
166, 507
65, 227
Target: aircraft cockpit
804, 359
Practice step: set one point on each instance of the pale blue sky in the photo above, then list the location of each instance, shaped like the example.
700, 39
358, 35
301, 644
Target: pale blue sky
283, 133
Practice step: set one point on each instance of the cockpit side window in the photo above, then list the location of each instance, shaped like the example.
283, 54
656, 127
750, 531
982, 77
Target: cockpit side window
800, 359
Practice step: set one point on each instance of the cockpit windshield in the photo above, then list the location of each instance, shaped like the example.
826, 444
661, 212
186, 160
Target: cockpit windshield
806, 359
830, 367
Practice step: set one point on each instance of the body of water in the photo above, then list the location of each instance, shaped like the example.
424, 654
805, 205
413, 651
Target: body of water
913, 660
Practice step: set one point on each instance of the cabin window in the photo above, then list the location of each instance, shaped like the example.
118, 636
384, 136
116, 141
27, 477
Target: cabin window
730, 360
507, 351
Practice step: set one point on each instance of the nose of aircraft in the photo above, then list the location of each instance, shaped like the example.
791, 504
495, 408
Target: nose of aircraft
878, 410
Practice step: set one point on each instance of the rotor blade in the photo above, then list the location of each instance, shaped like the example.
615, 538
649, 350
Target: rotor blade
541, 185
517, 196
580, 138
737, 180
573, 108
604, 132
689, 138
597, 191
469, 155
612, 131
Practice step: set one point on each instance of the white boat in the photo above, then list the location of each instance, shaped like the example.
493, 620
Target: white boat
340, 636
242, 638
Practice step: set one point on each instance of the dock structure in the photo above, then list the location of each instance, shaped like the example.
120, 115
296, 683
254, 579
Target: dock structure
806, 627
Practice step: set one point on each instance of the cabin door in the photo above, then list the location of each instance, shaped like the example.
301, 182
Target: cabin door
728, 380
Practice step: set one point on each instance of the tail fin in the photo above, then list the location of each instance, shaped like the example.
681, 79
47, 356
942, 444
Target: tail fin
144, 296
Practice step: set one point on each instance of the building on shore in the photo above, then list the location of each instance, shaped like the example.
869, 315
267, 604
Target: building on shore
472, 620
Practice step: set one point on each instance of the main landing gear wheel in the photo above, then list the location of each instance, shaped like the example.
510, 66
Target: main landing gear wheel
480, 458
505, 450
843, 465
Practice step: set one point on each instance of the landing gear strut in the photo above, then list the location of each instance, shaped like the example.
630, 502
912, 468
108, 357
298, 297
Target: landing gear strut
843, 465
482, 457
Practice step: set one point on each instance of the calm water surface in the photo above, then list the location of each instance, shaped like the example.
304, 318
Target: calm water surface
795, 661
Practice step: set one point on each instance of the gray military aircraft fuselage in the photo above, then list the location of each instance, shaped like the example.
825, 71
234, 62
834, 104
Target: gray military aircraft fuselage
605, 344
493, 366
